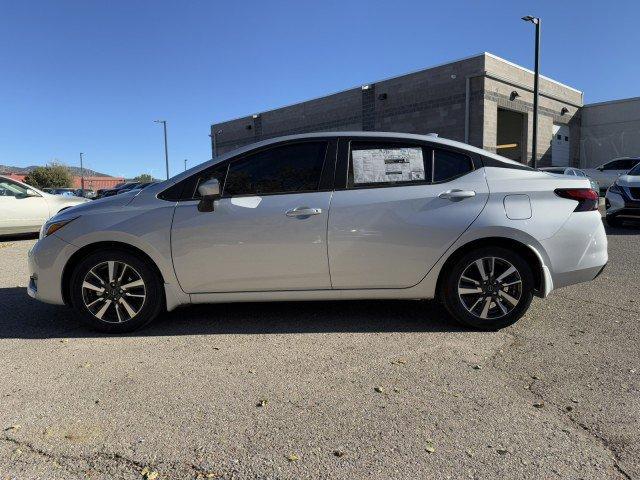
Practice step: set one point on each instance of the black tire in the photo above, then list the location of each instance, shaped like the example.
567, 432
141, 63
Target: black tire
147, 308
451, 299
614, 221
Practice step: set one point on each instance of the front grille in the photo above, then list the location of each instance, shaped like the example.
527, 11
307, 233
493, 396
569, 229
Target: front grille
635, 192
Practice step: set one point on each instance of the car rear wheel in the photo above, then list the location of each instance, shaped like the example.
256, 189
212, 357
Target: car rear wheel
115, 292
488, 288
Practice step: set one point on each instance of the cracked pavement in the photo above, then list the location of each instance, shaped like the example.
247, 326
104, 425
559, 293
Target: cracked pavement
555, 396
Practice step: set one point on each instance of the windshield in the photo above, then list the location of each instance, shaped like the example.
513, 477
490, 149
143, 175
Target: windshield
635, 170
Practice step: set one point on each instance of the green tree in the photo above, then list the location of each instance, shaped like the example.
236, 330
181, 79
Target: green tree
144, 178
54, 175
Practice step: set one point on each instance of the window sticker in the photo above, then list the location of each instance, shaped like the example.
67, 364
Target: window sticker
387, 165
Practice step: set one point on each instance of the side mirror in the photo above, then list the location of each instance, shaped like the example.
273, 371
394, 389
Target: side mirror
210, 192
32, 193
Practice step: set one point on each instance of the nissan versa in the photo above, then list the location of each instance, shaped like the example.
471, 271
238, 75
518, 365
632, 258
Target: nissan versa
327, 216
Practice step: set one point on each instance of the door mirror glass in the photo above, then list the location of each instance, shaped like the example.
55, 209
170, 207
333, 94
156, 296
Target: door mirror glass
31, 193
209, 192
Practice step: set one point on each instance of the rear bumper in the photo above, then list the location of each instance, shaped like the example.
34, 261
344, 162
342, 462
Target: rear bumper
578, 251
621, 204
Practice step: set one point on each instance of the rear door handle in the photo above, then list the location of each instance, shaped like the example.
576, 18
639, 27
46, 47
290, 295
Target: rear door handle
303, 212
457, 195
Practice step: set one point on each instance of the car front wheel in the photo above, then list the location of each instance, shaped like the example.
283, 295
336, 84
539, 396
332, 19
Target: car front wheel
488, 288
115, 292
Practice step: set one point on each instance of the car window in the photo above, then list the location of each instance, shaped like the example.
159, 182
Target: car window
285, 169
381, 163
11, 189
448, 165
628, 164
616, 165
219, 172
635, 170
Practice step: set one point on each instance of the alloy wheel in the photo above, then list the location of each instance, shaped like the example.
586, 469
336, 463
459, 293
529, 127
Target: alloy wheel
113, 292
490, 288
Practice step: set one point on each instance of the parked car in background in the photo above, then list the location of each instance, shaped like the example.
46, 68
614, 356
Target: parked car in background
86, 193
607, 173
623, 198
68, 192
327, 216
120, 188
140, 186
572, 171
23, 209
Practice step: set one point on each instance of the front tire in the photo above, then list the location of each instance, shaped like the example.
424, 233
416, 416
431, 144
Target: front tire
115, 292
488, 288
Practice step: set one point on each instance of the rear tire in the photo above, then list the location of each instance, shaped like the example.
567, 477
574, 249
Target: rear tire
114, 291
614, 221
488, 288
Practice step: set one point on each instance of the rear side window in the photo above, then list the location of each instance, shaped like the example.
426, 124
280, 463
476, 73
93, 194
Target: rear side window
448, 165
388, 163
285, 169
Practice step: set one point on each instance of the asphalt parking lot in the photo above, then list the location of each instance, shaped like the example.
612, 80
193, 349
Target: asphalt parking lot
383, 390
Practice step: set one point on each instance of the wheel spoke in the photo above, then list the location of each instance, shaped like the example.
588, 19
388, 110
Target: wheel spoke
508, 298
480, 265
100, 313
99, 299
515, 282
90, 286
127, 307
111, 265
471, 280
469, 291
506, 273
118, 313
476, 304
99, 279
127, 294
136, 283
502, 307
485, 310
493, 266
124, 269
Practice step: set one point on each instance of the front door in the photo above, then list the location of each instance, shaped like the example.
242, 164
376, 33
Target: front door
404, 205
267, 232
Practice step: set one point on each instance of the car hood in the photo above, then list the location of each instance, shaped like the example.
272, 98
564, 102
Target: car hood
102, 205
629, 180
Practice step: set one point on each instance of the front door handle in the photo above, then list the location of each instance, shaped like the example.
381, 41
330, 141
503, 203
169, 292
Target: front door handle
299, 212
457, 195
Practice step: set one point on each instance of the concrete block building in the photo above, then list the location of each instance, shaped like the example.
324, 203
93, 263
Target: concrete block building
483, 100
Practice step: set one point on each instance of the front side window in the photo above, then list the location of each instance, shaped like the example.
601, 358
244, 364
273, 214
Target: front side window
380, 164
285, 169
448, 165
11, 189
614, 165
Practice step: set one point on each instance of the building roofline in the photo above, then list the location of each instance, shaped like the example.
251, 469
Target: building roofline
609, 102
392, 77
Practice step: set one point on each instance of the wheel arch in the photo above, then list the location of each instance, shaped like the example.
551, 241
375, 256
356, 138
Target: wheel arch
527, 252
83, 252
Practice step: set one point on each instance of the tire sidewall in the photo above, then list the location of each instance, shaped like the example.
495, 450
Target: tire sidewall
154, 302
449, 291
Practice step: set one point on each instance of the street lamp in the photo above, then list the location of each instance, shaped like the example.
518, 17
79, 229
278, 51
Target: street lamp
166, 151
534, 150
81, 173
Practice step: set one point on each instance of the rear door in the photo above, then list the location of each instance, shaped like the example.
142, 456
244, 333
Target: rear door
399, 208
269, 229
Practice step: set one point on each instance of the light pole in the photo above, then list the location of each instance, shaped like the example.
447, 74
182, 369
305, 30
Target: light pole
166, 151
534, 149
185, 164
81, 173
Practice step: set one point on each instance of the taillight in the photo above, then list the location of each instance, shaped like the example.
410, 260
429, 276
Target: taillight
587, 198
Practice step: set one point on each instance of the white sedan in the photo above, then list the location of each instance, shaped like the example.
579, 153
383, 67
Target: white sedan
23, 208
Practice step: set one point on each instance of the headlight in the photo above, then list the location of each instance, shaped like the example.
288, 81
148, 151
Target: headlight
53, 226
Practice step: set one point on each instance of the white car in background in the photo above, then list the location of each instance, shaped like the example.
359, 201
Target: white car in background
623, 198
24, 209
327, 216
607, 173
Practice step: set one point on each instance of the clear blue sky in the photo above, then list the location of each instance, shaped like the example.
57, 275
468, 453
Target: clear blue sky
91, 76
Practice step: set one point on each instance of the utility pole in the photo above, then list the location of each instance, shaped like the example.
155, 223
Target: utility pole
81, 173
166, 150
534, 149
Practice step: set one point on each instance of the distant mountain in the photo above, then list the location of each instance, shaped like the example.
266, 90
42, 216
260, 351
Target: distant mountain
74, 170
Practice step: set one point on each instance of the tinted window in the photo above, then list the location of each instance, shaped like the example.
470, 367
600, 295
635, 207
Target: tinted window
290, 168
374, 163
11, 189
618, 165
635, 170
628, 164
448, 165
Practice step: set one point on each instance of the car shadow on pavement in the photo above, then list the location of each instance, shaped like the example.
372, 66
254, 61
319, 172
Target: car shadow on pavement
18, 236
629, 227
25, 318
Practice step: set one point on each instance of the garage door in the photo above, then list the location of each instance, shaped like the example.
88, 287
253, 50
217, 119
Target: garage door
560, 146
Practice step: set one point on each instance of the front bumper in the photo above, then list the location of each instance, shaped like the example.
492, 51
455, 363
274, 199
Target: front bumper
47, 260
